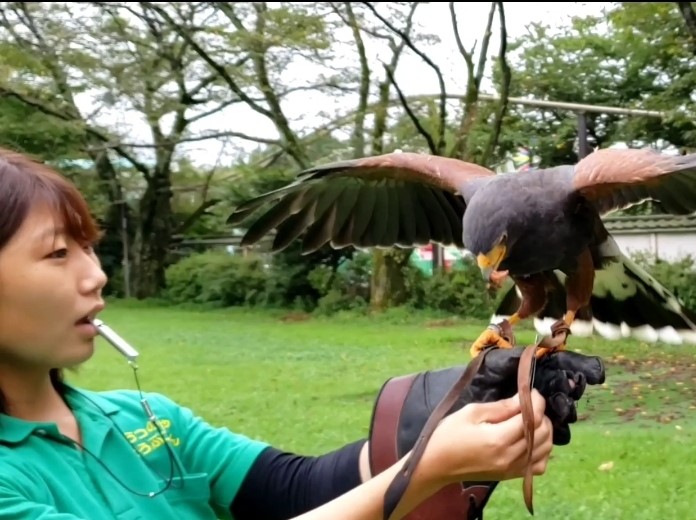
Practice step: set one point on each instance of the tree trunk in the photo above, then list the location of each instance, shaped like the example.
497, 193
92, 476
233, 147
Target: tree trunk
152, 238
388, 284
112, 247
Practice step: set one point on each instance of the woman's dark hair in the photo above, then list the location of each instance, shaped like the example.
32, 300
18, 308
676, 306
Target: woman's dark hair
26, 182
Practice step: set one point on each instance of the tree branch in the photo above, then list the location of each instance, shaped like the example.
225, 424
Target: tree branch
193, 217
357, 137
470, 111
217, 67
412, 116
443, 90
484, 46
468, 59
687, 12
382, 105
502, 106
258, 56
118, 148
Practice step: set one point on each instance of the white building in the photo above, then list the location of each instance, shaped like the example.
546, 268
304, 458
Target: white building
667, 237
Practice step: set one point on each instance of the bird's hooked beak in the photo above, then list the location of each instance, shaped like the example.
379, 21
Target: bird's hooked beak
489, 262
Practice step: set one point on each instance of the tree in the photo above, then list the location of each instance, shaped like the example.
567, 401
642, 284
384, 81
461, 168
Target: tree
273, 48
479, 129
127, 62
640, 55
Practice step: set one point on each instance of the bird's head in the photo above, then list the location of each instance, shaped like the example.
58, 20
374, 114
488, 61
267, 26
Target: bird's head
488, 237
489, 258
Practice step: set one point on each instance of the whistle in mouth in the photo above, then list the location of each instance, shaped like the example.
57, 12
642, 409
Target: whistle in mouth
115, 340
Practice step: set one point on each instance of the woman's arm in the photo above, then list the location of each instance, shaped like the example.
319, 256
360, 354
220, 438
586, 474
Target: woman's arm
281, 485
480, 442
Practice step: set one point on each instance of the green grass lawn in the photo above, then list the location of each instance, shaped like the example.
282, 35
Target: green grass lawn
309, 385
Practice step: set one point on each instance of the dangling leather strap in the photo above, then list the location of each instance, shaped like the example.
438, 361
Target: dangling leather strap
525, 383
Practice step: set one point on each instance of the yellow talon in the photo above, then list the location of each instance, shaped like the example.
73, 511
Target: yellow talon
561, 327
488, 338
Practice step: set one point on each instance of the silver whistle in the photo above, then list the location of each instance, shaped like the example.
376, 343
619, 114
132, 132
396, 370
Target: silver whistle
115, 340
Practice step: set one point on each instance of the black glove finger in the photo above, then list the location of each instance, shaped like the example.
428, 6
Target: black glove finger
579, 386
561, 435
591, 367
561, 409
549, 383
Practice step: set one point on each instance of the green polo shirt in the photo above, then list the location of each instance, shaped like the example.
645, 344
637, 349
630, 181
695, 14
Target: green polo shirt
45, 477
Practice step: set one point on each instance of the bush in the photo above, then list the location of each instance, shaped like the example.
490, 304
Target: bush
345, 288
461, 291
327, 287
679, 277
217, 278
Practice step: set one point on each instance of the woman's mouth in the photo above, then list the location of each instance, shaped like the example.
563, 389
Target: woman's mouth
86, 327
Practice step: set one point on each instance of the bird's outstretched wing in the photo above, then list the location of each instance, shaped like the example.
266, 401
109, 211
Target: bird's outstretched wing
615, 179
396, 199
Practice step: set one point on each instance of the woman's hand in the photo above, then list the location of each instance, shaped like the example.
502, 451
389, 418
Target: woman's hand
479, 442
486, 442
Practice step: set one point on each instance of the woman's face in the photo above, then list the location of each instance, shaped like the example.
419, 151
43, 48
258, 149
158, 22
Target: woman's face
48, 284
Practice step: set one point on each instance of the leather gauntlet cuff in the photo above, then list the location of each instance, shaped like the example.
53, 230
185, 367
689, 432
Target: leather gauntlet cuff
402, 407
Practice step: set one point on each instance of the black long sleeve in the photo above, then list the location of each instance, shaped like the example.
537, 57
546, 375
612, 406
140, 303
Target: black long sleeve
282, 485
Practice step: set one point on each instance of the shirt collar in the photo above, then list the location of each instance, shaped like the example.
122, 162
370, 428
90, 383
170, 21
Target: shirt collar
14, 430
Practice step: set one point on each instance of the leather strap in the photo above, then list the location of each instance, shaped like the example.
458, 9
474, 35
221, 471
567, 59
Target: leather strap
525, 383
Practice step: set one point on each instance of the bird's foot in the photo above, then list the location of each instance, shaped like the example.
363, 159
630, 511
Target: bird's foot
559, 334
496, 335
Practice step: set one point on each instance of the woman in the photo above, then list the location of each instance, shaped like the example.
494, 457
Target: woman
69, 454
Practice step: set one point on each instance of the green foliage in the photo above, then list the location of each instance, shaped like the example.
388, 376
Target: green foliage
346, 287
325, 283
460, 291
27, 130
679, 277
639, 55
217, 278
333, 282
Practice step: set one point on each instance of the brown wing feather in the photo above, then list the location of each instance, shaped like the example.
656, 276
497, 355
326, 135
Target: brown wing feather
615, 179
439, 172
372, 201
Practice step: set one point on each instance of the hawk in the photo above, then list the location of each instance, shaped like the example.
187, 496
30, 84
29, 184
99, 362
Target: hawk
542, 227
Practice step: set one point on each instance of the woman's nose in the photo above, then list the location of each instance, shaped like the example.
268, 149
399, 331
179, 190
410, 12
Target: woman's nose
93, 278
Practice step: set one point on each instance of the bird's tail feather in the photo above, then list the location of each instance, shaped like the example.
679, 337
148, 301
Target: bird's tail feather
626, 302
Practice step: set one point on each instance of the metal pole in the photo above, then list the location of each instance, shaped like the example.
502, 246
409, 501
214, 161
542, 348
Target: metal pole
125, 262
575, 106
438, 257
583, 145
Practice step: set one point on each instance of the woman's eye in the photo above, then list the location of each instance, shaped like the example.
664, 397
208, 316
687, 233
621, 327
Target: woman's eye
59, 253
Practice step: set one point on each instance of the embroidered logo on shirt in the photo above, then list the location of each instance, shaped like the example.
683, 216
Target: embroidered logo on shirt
148, 439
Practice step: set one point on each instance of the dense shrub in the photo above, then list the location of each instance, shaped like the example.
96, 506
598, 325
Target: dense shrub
326, 287
460, 291
217, 278
679, 277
